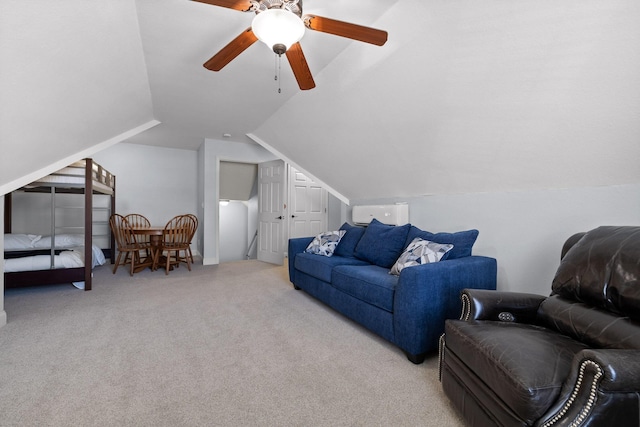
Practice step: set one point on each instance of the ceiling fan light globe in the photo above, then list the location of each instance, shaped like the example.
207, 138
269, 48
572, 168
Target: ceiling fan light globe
278, 27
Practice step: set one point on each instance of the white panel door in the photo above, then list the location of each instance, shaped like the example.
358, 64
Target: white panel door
271, 207
308, 206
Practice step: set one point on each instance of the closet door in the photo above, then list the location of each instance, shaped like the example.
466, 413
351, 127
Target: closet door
308, 206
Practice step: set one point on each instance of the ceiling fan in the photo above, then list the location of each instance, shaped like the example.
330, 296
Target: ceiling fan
280, 25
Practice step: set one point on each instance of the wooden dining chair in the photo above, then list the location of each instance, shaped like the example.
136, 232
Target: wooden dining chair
137, 220
140, 221
195, 227
175, 239
126, 243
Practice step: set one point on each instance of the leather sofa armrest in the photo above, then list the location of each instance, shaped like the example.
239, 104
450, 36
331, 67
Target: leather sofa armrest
621, 368
296, 245
602, 388
481, 304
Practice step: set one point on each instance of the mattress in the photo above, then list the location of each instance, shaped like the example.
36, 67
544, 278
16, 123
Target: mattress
72, 257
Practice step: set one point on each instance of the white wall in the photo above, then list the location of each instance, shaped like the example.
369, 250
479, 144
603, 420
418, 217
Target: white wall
156, 182
163, 182
524, 230
336, 213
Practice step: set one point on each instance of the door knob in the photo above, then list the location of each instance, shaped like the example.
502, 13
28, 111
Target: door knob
280, 217
293, 216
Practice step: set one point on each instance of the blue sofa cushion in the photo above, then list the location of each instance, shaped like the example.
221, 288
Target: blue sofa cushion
347, 245
462, 241
320, 266
382, 244
370, 283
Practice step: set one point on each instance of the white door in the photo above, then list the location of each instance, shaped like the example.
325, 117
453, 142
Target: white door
271, 211
308, 206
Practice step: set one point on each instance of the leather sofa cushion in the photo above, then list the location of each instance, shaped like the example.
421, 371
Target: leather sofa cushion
593, 326
524, 365
371, 284
601, 269
320, 266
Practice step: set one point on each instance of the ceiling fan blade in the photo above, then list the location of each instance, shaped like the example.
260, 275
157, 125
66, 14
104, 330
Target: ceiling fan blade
230, 51
242, 5
346, 29
300, 67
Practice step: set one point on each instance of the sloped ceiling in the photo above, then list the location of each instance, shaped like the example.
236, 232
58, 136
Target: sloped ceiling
466, 96
72, 75
475, 97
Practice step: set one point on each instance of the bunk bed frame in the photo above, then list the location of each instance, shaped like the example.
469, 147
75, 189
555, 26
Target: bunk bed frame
82, 177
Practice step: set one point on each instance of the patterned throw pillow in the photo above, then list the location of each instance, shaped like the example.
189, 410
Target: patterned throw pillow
418, 252
325, 243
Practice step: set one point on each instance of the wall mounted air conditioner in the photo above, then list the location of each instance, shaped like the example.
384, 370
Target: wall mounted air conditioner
397, 214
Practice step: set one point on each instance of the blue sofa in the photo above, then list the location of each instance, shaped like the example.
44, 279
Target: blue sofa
408, 309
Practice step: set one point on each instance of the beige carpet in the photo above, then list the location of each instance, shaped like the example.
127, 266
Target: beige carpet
227, 345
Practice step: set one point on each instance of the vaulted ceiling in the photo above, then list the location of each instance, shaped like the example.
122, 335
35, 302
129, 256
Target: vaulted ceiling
466, 96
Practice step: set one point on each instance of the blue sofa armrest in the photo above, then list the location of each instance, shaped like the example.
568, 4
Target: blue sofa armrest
296, 246
428, 294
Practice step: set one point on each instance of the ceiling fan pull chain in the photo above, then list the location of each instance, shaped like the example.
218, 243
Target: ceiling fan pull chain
278, 66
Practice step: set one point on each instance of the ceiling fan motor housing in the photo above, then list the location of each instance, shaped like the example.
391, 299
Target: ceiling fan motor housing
293, 6
279, 48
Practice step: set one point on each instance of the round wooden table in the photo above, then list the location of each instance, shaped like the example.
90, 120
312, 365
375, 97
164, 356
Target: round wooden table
155, 233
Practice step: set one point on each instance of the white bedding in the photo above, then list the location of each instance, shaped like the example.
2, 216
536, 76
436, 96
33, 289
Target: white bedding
66, 259
22, 242
71, 258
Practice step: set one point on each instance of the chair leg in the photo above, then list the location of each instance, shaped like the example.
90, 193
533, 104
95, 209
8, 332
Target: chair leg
168, 263
133, 263
154, 260
115, 267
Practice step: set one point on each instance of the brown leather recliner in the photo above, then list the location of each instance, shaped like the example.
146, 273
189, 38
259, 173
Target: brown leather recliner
570, 359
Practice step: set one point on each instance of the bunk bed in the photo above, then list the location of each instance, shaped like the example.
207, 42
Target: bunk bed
60, 256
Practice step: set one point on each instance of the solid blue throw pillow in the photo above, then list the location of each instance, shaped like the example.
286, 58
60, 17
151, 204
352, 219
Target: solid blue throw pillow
347, 245
462, 241
382, 244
